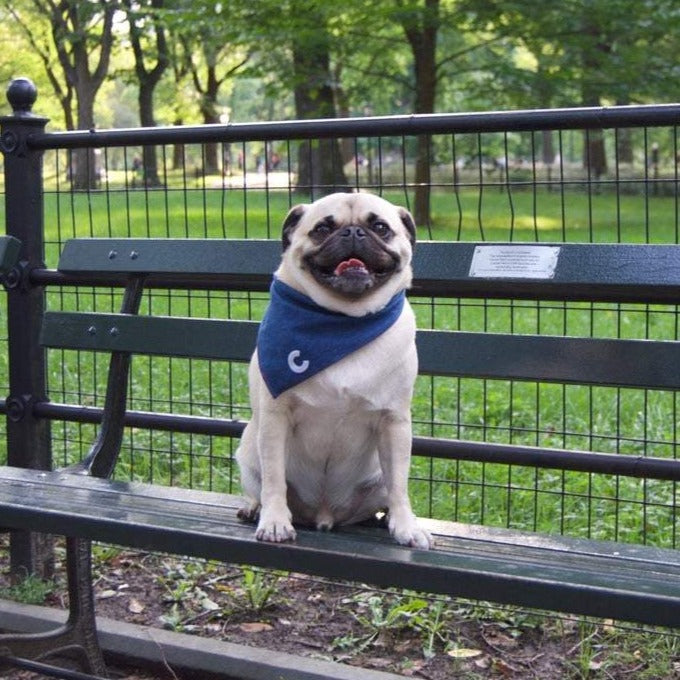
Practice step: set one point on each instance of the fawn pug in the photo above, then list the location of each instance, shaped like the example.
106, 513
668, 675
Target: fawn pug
331, 380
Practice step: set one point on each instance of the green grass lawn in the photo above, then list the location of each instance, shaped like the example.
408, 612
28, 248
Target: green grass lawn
604, 419
468, 214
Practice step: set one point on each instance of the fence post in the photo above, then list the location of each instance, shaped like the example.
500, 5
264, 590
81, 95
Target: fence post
28, 437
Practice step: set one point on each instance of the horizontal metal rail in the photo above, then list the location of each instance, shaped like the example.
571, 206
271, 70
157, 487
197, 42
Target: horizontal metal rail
375, 126
511, 290
447, 449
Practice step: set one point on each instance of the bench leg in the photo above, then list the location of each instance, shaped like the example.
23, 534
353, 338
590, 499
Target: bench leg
79, 633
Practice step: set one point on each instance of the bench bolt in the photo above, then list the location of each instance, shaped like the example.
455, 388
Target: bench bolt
13, 278
16, 408
9, 142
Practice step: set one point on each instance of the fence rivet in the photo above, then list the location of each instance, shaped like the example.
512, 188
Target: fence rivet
9, 142
112, 254
13, 278
92, 330
114, 332
16, 409
134, 255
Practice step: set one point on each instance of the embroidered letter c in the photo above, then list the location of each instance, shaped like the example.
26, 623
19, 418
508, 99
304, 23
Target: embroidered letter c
294, 365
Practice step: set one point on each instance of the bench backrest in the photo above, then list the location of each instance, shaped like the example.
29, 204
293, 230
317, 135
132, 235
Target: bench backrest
589, 272
565, 272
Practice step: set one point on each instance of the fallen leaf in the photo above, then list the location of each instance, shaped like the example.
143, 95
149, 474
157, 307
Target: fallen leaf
106, 594
501, 667
256, 627
135, 606
608, 625
209, 605
497, 639
483, 663
464, 653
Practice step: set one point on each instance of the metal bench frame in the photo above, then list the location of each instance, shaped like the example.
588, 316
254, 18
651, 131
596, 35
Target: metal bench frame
626, 582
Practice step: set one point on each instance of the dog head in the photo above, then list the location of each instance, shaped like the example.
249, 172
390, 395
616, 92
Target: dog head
349, 252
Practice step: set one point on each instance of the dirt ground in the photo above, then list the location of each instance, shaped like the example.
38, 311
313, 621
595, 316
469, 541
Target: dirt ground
403, 633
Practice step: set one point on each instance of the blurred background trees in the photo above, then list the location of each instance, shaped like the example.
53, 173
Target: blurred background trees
121, 63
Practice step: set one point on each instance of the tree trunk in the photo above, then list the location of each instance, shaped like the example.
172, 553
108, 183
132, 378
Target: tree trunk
595, 153
84, 171
146, 118
71, 43
320, 166
148, 79
624, 138
210, 113
594, 53
548, 157
422, 37
342, 109
178, 151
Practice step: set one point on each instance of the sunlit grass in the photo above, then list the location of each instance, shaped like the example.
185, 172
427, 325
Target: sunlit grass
468, 214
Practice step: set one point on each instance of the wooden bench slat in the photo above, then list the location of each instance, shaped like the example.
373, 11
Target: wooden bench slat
166, 336
597, 272
583, 577
624, 363
544, 358
584, 263
592, 272
237, 257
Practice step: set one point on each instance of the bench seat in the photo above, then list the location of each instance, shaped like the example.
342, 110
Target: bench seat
606, 579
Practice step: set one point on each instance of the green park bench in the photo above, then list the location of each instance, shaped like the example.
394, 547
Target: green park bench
563, 574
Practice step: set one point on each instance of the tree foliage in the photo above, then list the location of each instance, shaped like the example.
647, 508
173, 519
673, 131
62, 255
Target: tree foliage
205, 60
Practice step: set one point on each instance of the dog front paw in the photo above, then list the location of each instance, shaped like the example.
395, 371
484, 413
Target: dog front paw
274, 528
415, 537
249, 512
408, 532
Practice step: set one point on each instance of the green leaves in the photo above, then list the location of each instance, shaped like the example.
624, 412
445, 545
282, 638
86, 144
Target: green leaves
385, 615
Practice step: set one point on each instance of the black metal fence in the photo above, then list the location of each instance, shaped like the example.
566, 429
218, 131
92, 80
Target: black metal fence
606, 175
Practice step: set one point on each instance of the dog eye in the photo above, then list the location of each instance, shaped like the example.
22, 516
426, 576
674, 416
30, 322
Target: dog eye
322, 229
381, 228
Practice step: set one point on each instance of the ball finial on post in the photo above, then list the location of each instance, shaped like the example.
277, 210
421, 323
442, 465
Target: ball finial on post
21, 94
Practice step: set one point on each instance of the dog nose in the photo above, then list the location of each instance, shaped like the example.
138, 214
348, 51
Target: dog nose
354, 232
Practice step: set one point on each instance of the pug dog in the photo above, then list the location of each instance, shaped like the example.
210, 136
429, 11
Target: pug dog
331, 379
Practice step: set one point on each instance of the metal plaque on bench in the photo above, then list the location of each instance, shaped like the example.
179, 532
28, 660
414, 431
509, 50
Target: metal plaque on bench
514, 261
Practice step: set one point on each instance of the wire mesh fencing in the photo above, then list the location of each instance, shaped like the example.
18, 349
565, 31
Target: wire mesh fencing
549, 177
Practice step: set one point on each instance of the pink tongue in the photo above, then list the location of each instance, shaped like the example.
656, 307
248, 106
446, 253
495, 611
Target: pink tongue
352, 263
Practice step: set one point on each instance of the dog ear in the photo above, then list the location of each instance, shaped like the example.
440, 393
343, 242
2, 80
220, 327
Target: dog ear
409, 223
289, 224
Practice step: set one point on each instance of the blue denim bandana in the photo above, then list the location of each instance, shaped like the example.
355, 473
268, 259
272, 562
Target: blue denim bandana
298, 338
